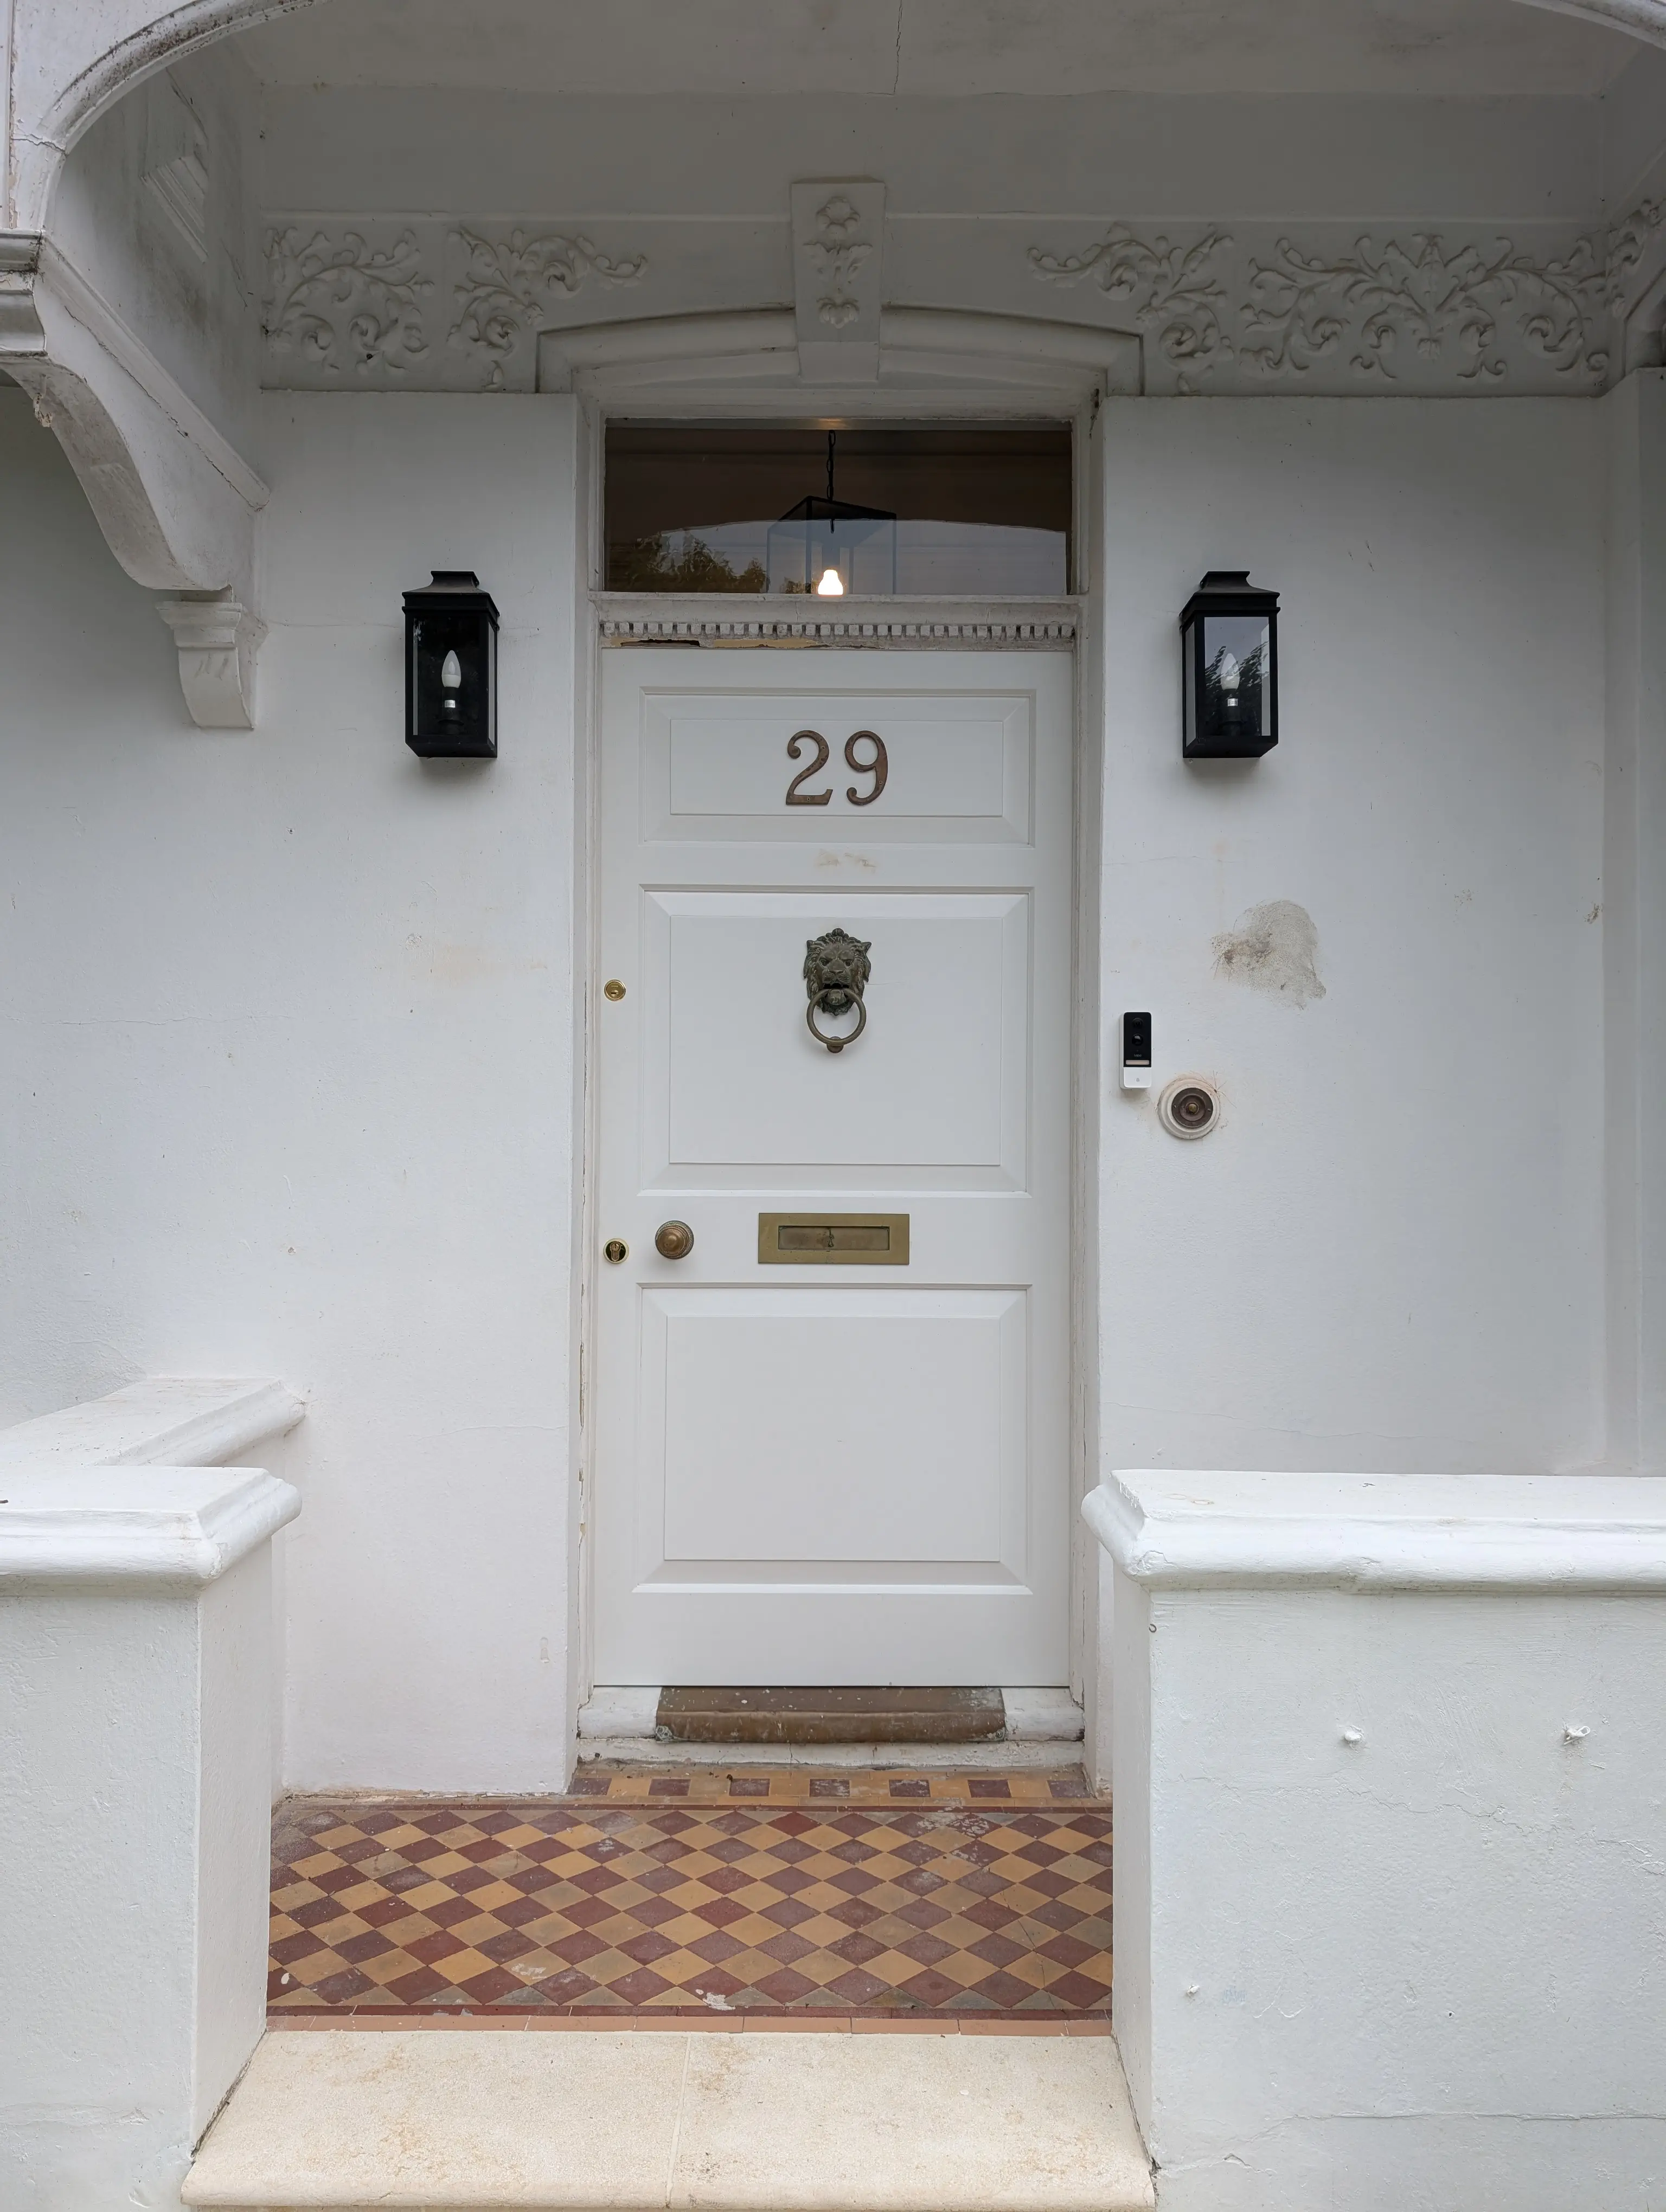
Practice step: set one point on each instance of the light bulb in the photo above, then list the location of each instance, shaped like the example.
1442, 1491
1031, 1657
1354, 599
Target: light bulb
1230, 672
831, 586
451, 672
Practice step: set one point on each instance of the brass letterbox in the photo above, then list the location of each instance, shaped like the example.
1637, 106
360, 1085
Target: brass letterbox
833, 1240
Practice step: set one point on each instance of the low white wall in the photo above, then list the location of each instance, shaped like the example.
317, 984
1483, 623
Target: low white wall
1390, 1902
136, 1656
288, 1019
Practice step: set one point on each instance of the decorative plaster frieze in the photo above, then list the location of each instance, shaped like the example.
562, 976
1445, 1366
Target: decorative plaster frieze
1172, 292
1419, 313
420, 305
506, 288
427, 303
342, 304
643, 620
1633, 251
1464, 309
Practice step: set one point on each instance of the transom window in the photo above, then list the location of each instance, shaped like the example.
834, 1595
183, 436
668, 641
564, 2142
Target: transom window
969, 509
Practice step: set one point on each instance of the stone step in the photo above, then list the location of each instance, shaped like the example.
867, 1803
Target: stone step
470, 2121
800, 1716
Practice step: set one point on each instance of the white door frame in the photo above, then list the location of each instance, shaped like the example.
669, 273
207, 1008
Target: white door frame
707, 368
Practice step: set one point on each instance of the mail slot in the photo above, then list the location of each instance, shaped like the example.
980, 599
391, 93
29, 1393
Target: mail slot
832, 1240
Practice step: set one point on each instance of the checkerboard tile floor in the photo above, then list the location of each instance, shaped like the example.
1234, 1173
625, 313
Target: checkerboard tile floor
918, 1905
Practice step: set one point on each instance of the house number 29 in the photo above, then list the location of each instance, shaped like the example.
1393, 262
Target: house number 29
877, 765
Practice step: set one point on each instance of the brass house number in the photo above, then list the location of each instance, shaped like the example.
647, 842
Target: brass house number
877, 765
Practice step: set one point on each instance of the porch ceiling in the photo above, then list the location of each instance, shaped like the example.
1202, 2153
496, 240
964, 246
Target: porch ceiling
948, 48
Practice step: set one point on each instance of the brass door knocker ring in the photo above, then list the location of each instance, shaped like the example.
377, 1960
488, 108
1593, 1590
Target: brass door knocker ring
836, 970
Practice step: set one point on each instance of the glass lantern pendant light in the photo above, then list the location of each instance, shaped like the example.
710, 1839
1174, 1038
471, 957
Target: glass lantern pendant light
827, 546
451, 668
1229, 634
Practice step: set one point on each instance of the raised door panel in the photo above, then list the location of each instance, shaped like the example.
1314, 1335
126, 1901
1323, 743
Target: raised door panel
799, 1437
957, 767
736, 1091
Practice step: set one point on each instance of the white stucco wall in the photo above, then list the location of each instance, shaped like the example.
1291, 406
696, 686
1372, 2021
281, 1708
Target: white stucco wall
288, 1021
1389, 1255
291, 1018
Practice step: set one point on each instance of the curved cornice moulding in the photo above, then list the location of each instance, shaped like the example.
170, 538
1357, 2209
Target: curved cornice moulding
67, 67
762, 345
1639, 19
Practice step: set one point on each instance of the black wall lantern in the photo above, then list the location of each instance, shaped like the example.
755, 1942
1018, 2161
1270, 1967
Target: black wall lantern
1228, 636
451, 668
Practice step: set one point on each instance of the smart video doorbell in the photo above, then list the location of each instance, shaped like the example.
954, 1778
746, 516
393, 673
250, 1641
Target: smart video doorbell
1136, 1052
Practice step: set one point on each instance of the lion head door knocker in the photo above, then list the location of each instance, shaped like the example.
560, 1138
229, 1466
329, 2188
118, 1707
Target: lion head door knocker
835, 968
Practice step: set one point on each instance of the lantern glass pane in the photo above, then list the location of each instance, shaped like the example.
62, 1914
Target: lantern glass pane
861, 552
446, 709
1236, 657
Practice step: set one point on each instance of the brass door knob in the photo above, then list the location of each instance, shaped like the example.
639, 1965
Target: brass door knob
673, 1240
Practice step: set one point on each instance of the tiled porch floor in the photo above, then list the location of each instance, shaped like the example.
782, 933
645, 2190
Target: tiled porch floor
870, 1896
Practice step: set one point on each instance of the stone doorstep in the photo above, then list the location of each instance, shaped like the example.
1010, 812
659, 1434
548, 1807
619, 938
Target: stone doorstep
799, 1716
342, 2122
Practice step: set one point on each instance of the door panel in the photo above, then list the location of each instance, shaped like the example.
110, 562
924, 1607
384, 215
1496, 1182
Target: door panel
940, 1076
804, 1474
921, 1457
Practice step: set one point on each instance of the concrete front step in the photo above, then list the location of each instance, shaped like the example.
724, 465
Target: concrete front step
339, 2121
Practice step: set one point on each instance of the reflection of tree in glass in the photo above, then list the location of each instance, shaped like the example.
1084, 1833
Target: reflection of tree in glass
647, 564
1231, 690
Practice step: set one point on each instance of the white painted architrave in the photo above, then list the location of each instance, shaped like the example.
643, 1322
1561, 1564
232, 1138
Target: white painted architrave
1171, 1530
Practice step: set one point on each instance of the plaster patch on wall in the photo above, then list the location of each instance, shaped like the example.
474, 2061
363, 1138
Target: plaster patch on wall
1273, 948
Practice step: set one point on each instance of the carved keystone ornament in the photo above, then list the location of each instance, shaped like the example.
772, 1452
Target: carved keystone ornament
835, 969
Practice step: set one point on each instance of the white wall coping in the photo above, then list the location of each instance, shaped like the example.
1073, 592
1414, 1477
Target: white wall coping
180, 1525
166, 1420
1178, 1529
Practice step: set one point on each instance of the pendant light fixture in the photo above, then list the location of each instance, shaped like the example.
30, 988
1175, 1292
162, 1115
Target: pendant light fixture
828, 546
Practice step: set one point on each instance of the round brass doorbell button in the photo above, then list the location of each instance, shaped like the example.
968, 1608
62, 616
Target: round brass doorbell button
615, 1250
1190, 1106
613, 988
673, 1240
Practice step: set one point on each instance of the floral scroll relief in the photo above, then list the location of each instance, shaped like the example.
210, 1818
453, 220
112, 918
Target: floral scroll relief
338, 303
1304, 308
1630, 243
838, 258
1172, 290
506, 286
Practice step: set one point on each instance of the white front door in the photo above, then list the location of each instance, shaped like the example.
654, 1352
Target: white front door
832, 1450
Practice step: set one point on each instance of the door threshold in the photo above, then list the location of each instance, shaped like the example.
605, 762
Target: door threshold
643, 1752
628, 1724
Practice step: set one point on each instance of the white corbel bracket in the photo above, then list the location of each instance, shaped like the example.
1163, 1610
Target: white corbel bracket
217, 639
175, 499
